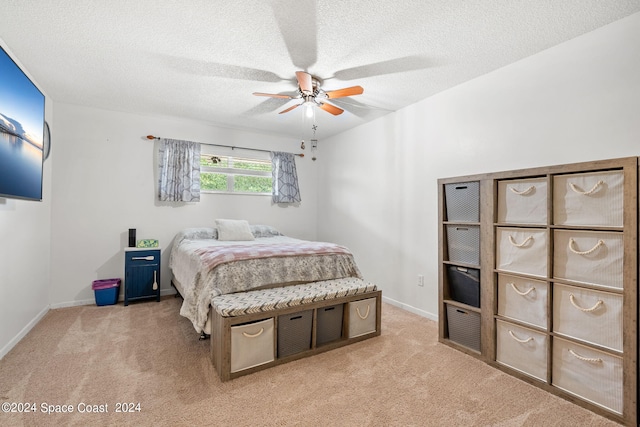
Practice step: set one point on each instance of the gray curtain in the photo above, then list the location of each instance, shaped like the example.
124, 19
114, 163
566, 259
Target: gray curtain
179, 170
285, 178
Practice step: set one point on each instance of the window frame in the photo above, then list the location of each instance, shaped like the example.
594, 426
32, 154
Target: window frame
232, 172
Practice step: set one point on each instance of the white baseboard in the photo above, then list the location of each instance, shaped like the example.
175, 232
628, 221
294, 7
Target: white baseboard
92, 301
409, 308
73, 303
7, 348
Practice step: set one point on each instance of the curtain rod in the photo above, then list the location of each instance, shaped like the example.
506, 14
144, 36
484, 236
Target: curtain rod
229, 146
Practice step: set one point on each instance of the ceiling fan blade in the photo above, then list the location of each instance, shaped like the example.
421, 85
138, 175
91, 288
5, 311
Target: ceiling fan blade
289, 109
301, 45
348, 91
331, 109
272, 95
305, 83
398, 65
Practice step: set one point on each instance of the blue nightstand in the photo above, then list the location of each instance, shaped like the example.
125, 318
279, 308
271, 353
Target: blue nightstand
141, 274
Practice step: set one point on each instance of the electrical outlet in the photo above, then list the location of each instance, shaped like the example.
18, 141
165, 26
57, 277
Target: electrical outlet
420, 280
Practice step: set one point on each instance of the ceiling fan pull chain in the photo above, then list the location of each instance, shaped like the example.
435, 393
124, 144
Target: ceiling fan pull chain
314, 142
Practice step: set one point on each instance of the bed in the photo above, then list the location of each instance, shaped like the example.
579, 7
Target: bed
235, 257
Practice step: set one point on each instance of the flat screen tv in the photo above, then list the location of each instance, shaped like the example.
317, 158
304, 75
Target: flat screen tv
21, 133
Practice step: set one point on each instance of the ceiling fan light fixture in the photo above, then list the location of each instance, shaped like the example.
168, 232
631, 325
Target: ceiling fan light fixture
309, 103
313, 95
309, 111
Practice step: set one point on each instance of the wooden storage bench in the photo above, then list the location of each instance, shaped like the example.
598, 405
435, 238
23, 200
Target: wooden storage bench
255, 330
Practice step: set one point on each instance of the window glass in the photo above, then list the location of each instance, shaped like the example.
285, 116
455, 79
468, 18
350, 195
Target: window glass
241, 175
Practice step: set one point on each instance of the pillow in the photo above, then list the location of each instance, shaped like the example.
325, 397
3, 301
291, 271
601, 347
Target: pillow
264, 231
195, 234
233, 229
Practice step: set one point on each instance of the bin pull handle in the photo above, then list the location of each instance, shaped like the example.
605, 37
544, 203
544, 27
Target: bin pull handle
586, 193
146, 258
519, 245
523, 192
573, 249
257, 334
365, 315
518, 339
585, 359
586, 310
524, 294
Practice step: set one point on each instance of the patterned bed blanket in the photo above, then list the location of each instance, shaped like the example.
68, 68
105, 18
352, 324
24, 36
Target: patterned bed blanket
208, 268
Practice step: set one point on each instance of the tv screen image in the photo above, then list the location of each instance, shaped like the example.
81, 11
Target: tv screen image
21, 133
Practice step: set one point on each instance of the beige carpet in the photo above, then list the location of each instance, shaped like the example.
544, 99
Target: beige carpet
147, 353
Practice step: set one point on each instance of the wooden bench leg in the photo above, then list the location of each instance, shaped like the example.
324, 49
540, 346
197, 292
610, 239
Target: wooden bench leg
220, 344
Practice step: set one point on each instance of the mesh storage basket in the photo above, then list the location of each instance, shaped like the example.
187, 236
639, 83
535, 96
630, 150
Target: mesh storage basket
329, 324
294, 333
523, 299
464, 327
252, 344
522, 250
592, 199
522, 349
463, 244
463, 201
593, 257
464, 285
588, 373
522, 201
588, 315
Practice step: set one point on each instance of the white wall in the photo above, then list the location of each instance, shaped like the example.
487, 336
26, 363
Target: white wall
24, 254
105, 183
576, 102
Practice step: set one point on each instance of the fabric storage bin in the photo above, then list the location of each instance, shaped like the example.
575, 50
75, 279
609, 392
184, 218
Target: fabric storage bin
252, 344
588, 315
591, 199
588, 373
464, 285
522, 349
463, 243
522, 250
464, 327
294, 332
329, 324
523, 299
362, 317
522, 201
463, 201
593, 257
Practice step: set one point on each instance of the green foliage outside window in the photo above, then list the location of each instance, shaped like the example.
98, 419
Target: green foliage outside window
220, 161
235, 175
252, 165
213, 181
252, 184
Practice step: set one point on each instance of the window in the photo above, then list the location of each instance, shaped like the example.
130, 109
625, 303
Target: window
227, 174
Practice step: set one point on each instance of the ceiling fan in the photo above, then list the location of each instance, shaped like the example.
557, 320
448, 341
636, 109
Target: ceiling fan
312, 94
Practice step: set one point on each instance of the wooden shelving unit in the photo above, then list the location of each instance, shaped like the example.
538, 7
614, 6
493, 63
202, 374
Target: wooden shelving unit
558, 280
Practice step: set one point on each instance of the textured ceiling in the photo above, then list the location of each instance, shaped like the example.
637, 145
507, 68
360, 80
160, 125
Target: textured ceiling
203, 59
